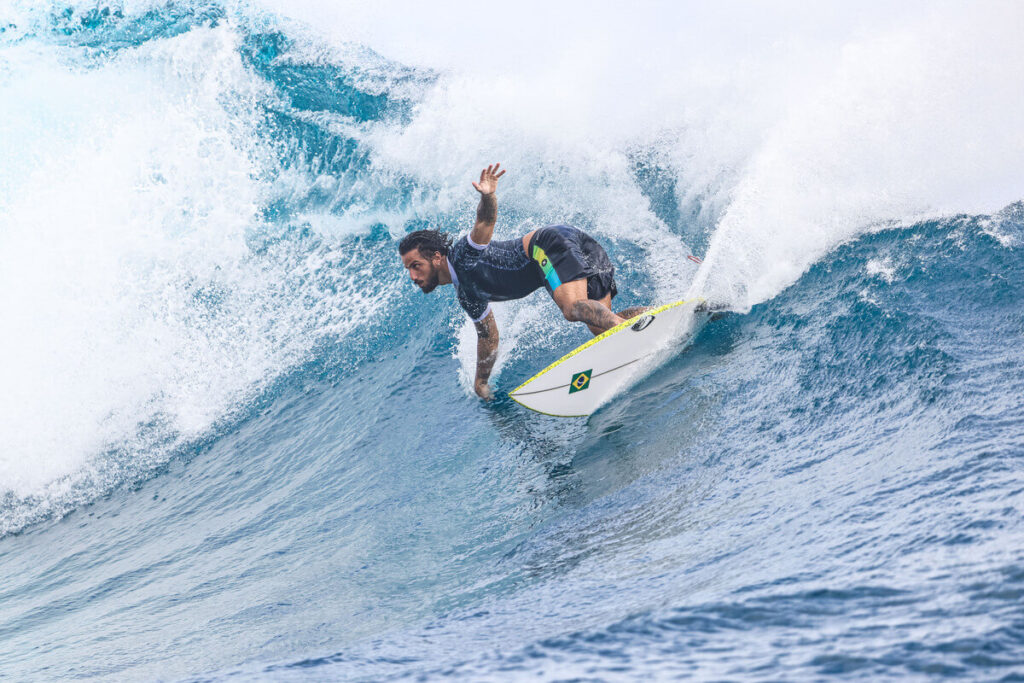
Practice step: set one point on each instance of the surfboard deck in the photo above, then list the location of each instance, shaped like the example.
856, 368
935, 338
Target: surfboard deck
586, 378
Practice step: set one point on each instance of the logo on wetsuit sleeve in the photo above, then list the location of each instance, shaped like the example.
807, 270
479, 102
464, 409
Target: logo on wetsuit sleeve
580, 381
554, 282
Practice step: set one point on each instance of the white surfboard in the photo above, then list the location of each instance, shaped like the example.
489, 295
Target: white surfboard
585, 379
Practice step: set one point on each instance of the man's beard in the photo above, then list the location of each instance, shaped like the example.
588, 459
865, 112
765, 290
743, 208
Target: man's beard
431, 282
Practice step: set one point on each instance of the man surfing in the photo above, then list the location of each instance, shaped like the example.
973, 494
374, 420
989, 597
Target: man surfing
566, 261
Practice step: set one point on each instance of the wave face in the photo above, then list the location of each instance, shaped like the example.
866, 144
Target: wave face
236, 442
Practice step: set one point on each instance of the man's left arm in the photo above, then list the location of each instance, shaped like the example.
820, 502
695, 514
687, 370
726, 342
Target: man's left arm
487, 210
486, 354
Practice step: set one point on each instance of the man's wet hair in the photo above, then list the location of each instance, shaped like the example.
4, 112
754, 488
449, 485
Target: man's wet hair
429, 242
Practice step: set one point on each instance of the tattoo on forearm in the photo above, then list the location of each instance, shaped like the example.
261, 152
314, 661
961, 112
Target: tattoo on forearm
487, 211
486, 354
486, 347
593, 313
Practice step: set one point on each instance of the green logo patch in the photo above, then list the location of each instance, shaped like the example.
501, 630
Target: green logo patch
580, 381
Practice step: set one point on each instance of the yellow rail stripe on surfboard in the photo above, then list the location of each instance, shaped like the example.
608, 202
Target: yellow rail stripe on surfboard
593, 341
541, 411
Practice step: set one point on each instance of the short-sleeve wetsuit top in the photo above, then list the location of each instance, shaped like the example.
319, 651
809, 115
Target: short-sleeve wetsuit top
497, 271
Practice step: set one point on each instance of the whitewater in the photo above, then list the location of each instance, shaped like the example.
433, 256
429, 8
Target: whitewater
236, 443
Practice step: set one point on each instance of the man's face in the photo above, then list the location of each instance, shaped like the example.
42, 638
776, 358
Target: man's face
422, 270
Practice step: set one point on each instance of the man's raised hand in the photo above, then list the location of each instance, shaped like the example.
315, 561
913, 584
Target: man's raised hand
488, 179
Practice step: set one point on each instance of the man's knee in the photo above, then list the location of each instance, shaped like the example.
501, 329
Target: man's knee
569, 311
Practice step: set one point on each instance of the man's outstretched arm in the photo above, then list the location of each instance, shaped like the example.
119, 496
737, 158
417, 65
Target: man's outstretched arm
486, 354
487, 211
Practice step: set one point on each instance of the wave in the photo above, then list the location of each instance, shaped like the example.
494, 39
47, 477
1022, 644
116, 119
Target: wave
192, 135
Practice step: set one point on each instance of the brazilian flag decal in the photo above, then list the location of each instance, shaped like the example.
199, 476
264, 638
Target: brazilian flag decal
580, 381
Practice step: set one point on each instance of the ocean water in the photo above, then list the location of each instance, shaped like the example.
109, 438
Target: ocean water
237, 444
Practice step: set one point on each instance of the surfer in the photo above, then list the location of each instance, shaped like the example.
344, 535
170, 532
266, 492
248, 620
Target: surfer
566, 261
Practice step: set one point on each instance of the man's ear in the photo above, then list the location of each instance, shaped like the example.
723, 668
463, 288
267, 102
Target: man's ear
437, 259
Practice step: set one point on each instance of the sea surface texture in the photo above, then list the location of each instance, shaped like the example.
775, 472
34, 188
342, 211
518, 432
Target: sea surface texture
237, 443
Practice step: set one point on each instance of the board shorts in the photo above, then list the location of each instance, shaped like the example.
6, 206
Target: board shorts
565, 254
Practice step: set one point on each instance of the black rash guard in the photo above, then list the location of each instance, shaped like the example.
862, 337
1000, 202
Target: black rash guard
498, 271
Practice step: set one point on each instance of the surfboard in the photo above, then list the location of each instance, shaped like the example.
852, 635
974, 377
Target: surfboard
588, 377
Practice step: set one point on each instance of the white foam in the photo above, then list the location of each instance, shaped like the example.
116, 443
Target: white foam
128, 188
136, 317
884, 268
915, 122
790, 128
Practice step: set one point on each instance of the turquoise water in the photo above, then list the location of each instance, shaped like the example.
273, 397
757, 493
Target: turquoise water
237, 443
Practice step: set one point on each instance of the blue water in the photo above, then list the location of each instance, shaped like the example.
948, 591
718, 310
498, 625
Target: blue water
255, 455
